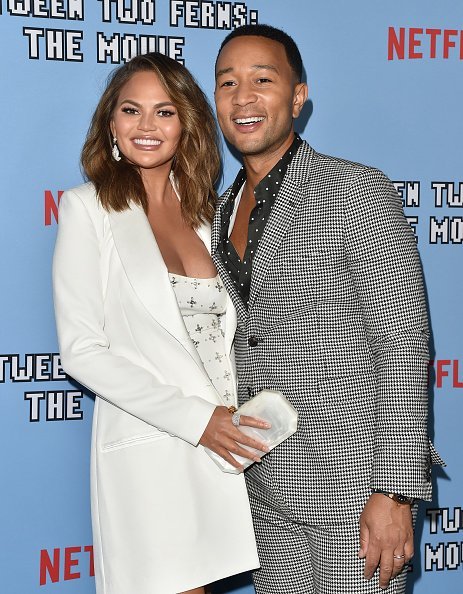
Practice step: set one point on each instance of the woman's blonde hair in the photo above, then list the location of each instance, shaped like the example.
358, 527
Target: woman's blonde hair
196, 163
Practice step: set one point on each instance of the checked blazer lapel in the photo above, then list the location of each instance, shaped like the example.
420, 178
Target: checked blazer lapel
292, 191
240, 307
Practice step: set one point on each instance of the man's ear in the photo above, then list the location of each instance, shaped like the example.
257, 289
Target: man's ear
301, 93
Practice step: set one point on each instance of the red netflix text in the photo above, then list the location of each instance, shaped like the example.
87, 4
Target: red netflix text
50, 206
416, 43
445, 371
69, 563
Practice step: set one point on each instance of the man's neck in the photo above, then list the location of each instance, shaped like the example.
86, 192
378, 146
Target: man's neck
257, 166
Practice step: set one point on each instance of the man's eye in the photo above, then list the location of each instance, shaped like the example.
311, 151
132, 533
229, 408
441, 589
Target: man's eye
227, 83
263, 80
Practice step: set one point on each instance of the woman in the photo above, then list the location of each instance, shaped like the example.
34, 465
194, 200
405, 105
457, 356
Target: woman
132, 273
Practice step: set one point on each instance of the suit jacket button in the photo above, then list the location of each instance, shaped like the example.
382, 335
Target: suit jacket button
253, 341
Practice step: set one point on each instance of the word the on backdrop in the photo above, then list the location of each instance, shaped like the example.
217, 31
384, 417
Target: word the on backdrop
72, 45
48, 405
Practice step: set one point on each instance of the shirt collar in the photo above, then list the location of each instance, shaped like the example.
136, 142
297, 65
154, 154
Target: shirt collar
275, 176
269, 186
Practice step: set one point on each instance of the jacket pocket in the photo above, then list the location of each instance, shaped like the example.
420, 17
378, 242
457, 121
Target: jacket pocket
132, 441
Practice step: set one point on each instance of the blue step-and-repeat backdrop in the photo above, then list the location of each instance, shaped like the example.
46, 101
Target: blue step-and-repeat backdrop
386, 88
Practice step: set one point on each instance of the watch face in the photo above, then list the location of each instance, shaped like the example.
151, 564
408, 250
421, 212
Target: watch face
403, 499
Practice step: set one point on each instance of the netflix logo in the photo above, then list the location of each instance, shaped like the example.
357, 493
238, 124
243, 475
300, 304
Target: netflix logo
417, 43
50, 206
69, 563
445, 373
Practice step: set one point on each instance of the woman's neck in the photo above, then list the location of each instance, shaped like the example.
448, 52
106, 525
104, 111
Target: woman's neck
157, 184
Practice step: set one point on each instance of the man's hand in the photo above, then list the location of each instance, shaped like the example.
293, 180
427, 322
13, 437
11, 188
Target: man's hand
386, 537
224, 439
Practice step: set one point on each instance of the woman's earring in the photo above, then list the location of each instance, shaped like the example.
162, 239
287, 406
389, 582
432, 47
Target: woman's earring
115, 151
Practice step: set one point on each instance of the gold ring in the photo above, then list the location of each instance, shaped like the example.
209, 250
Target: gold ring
232, 409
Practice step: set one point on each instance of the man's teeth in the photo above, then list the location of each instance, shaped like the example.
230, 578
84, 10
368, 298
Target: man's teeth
147, 141
248, 120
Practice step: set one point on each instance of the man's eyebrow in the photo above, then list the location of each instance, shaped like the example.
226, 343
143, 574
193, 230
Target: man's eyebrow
264, 67
254, 67
223, 71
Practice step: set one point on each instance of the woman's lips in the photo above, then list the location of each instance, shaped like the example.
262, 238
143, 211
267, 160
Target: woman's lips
147, 144
147, 141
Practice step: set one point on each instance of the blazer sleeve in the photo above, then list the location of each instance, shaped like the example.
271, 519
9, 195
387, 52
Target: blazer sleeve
385, 265
84, 347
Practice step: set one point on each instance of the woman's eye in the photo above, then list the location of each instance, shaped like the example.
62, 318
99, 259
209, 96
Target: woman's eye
129, 110
166, 113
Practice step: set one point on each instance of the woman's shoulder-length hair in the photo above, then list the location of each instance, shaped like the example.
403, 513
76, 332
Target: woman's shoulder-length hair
196, 164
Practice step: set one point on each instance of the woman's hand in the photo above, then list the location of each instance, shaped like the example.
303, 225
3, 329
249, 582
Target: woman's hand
223, 438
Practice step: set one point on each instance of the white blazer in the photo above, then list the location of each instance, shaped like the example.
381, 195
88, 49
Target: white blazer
165, 517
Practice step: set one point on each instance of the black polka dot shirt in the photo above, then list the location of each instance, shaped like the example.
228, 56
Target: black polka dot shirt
265, 193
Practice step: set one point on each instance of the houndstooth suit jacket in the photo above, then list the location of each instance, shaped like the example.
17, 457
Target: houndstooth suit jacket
337, 322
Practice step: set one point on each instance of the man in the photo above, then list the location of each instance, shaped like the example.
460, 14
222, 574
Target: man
324, 273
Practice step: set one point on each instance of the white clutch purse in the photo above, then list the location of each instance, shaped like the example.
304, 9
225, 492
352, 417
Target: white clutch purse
270, 406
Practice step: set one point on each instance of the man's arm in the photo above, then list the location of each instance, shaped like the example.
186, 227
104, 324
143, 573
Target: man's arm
386, 269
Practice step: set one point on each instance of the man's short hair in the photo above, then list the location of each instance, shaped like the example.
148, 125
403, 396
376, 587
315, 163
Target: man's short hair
292, 51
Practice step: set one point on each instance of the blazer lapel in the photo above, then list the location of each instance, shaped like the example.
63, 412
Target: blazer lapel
235, 297
204, 233
291, 193
147, 273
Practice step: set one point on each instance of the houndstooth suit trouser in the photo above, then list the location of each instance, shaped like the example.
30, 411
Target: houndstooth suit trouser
337, 322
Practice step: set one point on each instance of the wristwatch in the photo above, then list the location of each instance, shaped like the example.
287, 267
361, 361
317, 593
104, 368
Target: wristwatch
400, 499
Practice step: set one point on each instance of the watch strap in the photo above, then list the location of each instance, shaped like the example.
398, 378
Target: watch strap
400, 499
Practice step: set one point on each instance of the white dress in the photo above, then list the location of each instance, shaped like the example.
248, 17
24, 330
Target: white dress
202, 303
